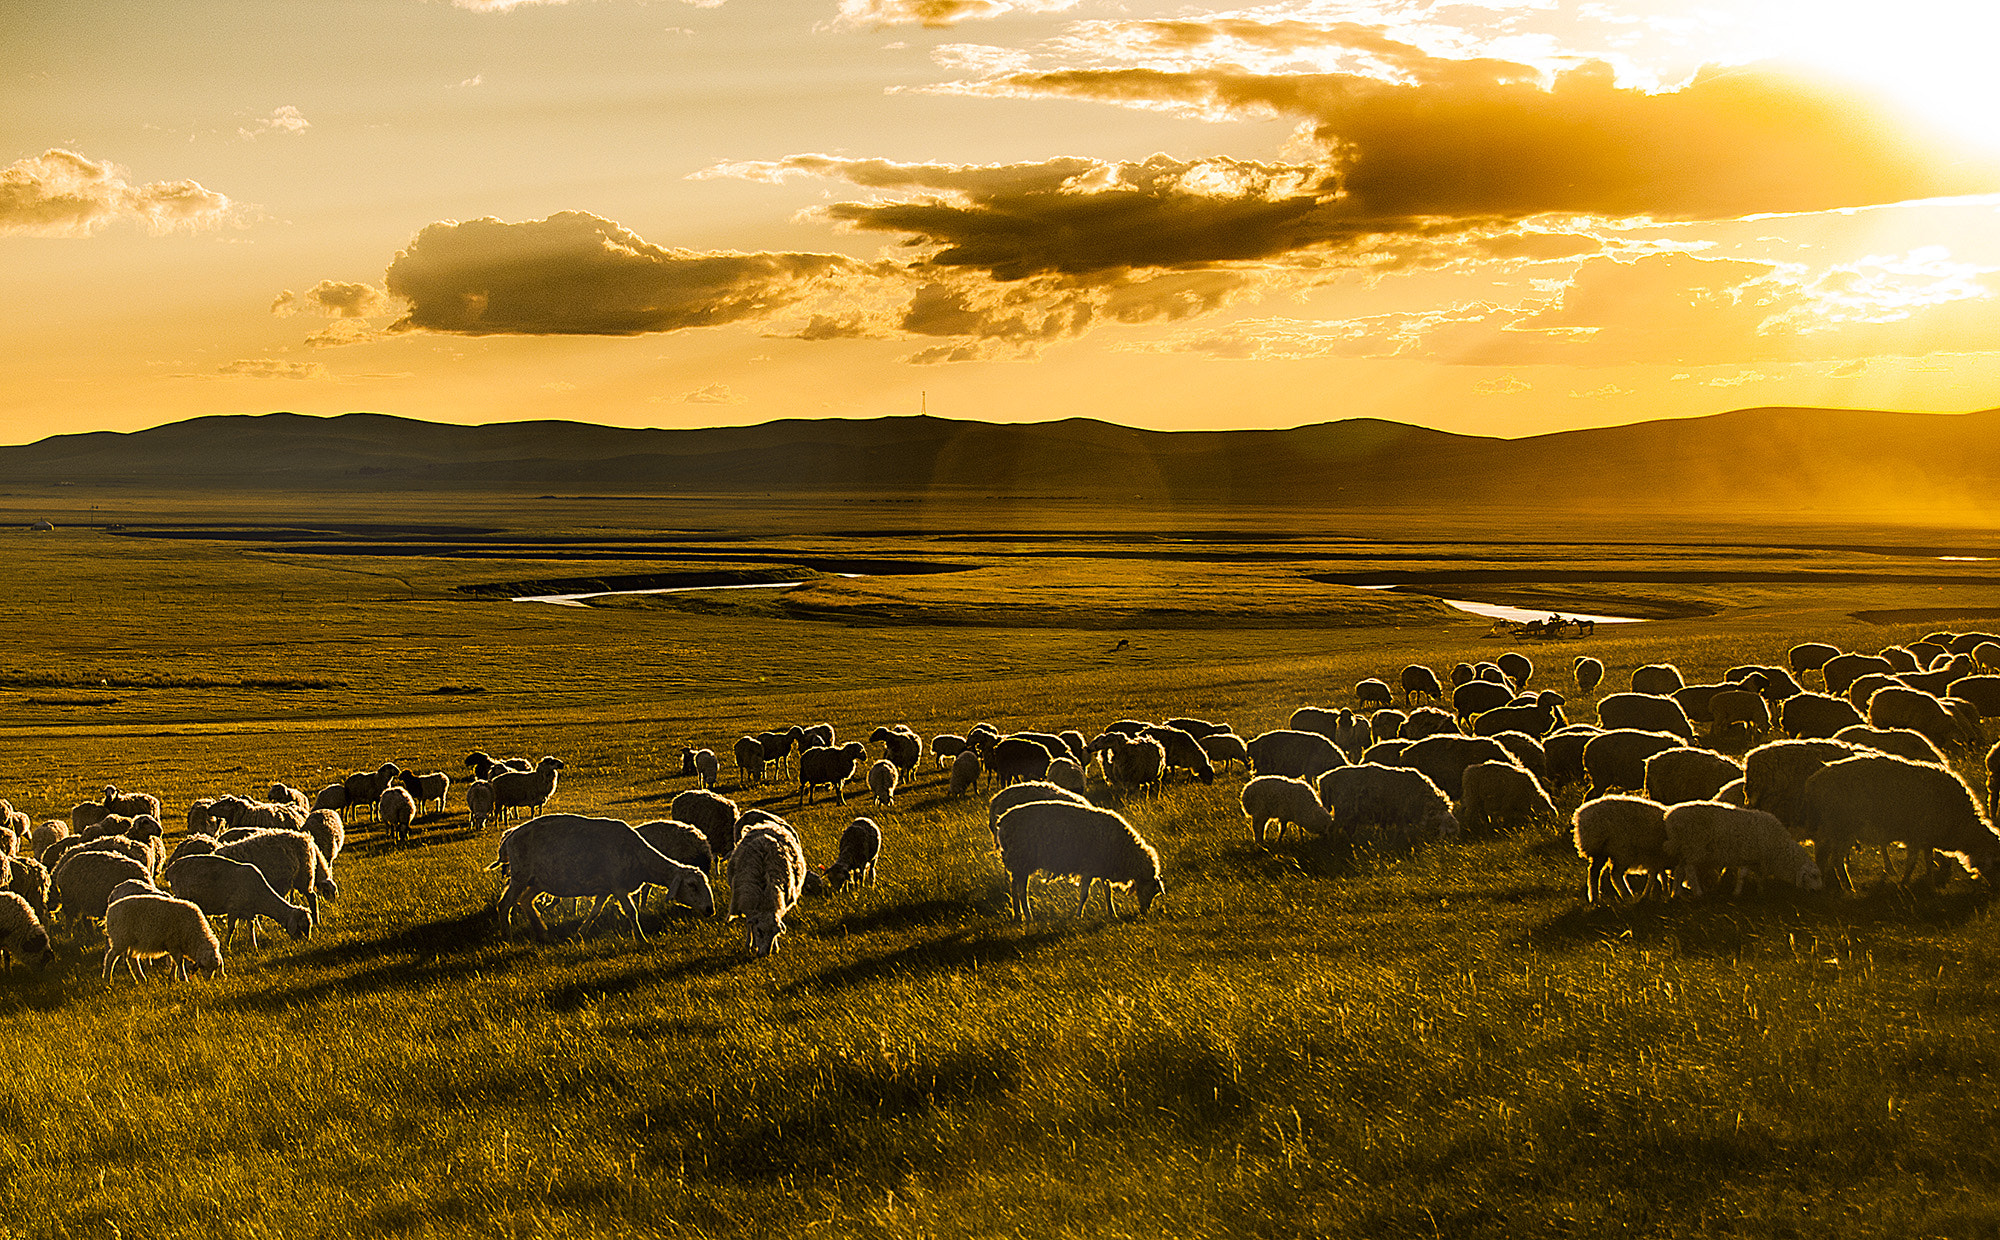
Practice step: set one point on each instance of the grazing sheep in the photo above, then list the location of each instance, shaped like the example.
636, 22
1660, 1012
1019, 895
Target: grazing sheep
946, 746
778, 746
130, 804
1900, 659
1903, 742
46, 834
1224, 748
143, 827
1427, 721
711, 813
15, 822
1617, 758
285, 794
1899, 707
1023, 794
1864, 687
1969, 643
1708, 837
80, 884
1385, 724
1494, 672
572, 857
1197, 728
149, 927
1476, 697
902, 747
1740, 708
1539, 719
1987, 654
290, 862
965, 770
29, 879
1016, 757
822, 767
333, 797
1386, 753
1775, 775
1775, 683
1589, 673
1184, 752
1315, 720
150, 853
1646, 712
1934, 682
882, 781
1993, 782
1079, 749
1287, 802
1519, 667
433, 788
1300, 754
526, 789
1066, 773
859, 848
224, 887
1842, 670
22, 936
1878, 799
1501, 794
820, 734
1658, 679
1617, 835
749, 760
1063, 839
479, 802
1982, 691
1817, 716
328, 831
397, 809
1372, 692
1418, 678
1564, 751
1694, 699
365, 788
676, 841
1136, 765
1461, 673
1527, 752
767, 874
707, 768
1443, 759
1810, 656
1397, 800
1686, 774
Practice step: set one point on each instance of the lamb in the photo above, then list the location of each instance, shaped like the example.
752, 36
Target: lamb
289, 861
1427, 721
946, 746
1684, 774
1059, 838
427, 789
1287, 802
749, 756
860, 847
1299, 754
22, 937
1022, 794
778, 746
1740, 707
1903, 742
146, 927
1443, 759
1418, 678
1644, 712
225, 887
479, 802
820, 734
767, 874
1900, 707
1519, 667
1657, 679
81, 884
1373, 692
1589, 673
526, 789
1810, 656
1401, 800
1842, 670
711, 813
964, 773
882, 781
1137, 765
1184, 752
1617, 835
13, 820
397, 809
902, 747
48, 833
1617, 759
571, 857
1065, 773
1224, 748
1878, 799
822, 767
1499, 794
1707, 837
237, 811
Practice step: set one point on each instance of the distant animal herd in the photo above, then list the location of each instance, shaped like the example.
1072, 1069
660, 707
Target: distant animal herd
1868, 759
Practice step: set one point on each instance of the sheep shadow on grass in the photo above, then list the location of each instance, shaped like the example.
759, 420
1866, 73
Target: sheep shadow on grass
1721, 926
963, 949
891, 917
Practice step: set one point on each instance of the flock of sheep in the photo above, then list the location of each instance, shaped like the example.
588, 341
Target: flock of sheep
1863, 762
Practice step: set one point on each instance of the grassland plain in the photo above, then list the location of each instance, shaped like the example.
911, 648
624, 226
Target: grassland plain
1299, 1041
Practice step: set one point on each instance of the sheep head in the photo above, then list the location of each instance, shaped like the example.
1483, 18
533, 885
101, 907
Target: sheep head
763, 930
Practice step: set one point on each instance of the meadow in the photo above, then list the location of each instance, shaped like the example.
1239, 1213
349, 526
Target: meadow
1299, 1040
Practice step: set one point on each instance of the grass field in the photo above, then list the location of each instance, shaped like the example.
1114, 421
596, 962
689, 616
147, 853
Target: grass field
1299, 1041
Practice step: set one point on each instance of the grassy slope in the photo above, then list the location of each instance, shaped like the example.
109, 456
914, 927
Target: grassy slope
1297, 1042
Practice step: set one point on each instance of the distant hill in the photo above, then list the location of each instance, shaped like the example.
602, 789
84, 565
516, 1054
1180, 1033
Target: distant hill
1867, 464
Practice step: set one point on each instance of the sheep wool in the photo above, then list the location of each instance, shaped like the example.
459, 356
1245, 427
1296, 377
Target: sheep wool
767, 874
1708, 837
149, 927
1618, 835
1285, 801
1064, 839
1879, 799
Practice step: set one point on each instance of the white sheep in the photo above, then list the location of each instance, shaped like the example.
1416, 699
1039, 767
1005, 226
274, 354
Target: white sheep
479, 802
1224, 748
1061, 838
285, 794
146, 927
80, 883
1879, 799
1688, 774
859, 849
1285, 801
27, 878
433, 788
397, 809
767, 874
571, 857
1708, 837
1775, 775
711, 813
749, 754
1295, 752
1903, 742
333, 797
1024, 793
327, 831
1066, 773
1617, 835
48, 833
14, 820
882, 781
1402, 800
290, 862
1134, 765
526, 789
1644, 712
226, 887
965, 771
1898, 706
22, 936
1498, 794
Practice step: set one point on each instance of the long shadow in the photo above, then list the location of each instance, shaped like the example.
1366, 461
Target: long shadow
374, 845
1716, 926
891, 917
647, 974
963, 950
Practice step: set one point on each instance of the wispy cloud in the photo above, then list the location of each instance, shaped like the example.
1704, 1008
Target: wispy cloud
939, 13
285, 119
713, 394
60, 193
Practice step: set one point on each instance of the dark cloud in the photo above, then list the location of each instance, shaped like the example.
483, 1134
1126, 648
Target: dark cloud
63, 194
577, 274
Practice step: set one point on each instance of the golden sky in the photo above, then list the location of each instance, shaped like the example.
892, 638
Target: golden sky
1494, 217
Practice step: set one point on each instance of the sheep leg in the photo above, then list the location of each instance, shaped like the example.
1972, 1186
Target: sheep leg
230, 937
625, 900
1018, 896
1084, 903
253, 932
